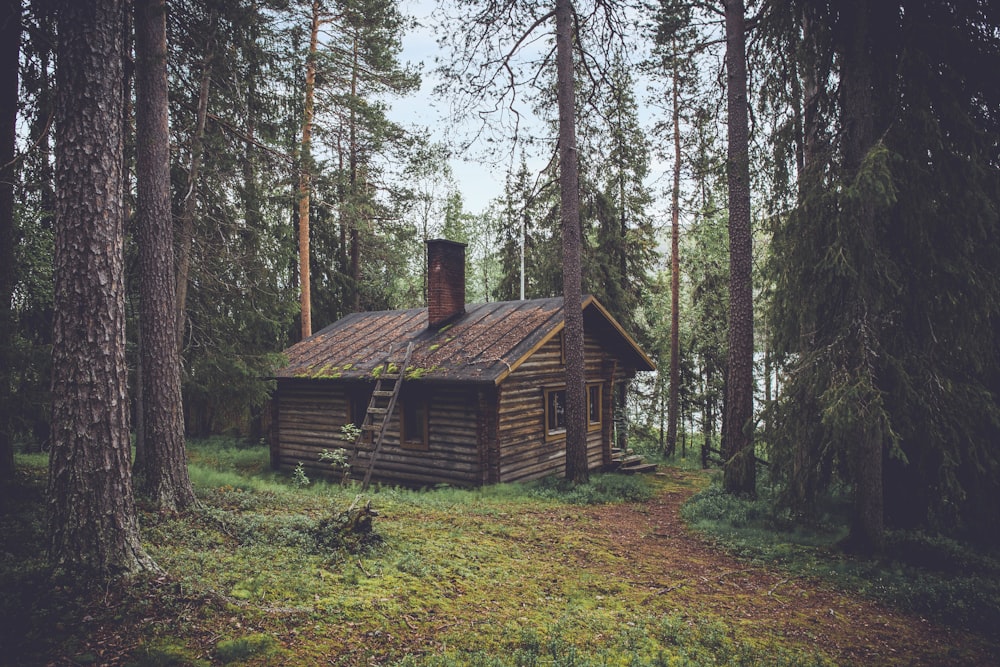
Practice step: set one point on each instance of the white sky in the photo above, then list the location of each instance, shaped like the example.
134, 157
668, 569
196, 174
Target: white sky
478, 183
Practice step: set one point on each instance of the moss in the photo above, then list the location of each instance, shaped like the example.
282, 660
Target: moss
415, 373
329, 371
242, 649
165, 652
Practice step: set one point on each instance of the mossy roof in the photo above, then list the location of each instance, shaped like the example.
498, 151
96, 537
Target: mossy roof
483, 345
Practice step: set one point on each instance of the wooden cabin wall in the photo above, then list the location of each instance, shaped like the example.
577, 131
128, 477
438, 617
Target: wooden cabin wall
311, 413
524, 452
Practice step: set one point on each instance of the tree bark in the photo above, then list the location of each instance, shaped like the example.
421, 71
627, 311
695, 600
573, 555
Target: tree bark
161, 473
305, 158
576, 432
858, 108
190, 206
93, 527
10, 48
739, 475
675, 273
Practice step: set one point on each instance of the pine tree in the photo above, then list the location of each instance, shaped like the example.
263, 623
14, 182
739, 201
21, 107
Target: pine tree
10, 52
737, 429
160, 471
93, 526
885, 273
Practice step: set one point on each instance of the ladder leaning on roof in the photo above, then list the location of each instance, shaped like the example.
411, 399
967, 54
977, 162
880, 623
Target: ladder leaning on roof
380, 409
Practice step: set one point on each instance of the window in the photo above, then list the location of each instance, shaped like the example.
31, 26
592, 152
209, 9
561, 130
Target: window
555, 413
414, 427
594, 405
555, 410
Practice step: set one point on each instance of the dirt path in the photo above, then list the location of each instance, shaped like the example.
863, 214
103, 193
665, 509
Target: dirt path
671, 561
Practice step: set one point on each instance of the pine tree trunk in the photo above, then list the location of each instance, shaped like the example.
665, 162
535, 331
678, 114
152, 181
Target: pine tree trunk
355, 196
858, 110
161, 473
576, 432
675, 274
190, 205
738, 451
305, 165
93, 525
10, 45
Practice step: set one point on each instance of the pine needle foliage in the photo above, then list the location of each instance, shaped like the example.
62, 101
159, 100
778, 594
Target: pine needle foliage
887, 289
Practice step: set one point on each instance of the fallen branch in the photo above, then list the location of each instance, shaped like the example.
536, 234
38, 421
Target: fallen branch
775, 587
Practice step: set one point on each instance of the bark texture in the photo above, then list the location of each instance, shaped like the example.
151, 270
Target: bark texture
161, 473
576, 432
190, 206
737, 446
93, 526
857, 84
305, 157
10, 44
675, 274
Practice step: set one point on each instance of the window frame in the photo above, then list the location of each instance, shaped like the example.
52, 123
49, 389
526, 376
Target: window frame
558, 433
592, 424
406, 404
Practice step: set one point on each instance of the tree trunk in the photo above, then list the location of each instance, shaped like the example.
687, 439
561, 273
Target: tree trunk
190, 206
10, 48
354, 206
93, 526
576, 431
161, 473
739, 475
858, 108
305, 166
675, 272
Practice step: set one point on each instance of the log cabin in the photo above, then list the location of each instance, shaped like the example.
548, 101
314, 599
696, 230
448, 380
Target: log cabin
482, 396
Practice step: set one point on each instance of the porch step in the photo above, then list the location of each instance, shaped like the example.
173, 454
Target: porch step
635, 468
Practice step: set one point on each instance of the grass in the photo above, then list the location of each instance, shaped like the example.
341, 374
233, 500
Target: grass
933, 576
509, 574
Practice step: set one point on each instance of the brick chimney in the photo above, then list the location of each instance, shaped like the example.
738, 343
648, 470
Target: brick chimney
445, 281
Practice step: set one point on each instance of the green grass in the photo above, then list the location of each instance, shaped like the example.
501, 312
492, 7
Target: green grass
928, 575
258, 574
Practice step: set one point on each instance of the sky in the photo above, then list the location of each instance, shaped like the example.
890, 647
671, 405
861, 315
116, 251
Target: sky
478, 181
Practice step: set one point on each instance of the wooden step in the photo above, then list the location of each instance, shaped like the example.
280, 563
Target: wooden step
638, 468
377, 411
382, 394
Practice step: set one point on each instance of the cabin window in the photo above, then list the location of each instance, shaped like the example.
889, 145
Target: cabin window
413, 414
555, 410
594, 405
555, 413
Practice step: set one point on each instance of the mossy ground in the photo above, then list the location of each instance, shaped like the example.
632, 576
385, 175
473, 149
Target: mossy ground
507, 575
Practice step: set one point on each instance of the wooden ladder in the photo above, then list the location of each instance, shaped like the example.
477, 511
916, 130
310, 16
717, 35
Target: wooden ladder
380, 409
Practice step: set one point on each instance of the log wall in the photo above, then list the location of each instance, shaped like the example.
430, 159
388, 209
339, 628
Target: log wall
477, 435
310, 414
524, 452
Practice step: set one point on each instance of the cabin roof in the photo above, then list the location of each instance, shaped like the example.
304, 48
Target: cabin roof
483, 345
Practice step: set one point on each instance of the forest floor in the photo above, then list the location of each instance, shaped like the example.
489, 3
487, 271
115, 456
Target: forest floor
464, 578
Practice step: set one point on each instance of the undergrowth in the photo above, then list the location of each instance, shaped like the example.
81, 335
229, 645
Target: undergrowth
929, 575
264, 573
